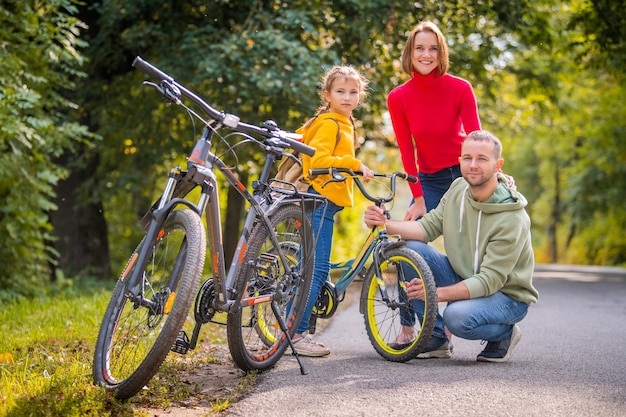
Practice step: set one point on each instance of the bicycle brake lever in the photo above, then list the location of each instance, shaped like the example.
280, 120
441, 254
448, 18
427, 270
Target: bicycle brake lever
170, 91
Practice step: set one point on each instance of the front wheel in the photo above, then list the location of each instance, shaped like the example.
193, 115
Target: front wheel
386, 307
137, 333
272, 286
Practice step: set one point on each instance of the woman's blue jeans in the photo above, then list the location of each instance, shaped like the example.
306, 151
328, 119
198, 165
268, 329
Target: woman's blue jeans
323, 222
435, 185
488, 318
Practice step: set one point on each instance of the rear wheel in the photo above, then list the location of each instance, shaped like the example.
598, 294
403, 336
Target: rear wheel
136, 335
269, 285
386, 307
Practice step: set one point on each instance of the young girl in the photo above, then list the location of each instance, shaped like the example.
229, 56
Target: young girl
343, 90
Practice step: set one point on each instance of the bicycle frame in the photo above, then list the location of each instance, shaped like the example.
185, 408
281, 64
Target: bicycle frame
377, 237
202, 173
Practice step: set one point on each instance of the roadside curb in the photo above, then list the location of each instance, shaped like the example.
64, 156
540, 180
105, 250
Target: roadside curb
579, 272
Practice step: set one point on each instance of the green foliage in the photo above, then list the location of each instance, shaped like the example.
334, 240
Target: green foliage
38, 61
45, 364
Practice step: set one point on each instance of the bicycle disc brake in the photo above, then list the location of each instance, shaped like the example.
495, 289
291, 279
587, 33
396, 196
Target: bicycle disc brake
326, 303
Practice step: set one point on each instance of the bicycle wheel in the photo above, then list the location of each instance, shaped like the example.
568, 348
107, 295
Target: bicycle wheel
385, 304
255, 339
135, 337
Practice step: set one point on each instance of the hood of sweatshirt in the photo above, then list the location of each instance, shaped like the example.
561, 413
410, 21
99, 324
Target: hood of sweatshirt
503, 199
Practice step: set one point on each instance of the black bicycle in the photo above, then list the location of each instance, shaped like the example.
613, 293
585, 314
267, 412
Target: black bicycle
263, 292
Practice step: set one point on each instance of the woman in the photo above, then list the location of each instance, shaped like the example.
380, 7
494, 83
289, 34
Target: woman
431, 114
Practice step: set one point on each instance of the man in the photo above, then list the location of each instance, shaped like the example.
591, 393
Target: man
486, 277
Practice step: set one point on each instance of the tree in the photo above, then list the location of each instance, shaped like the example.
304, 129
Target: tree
39, 58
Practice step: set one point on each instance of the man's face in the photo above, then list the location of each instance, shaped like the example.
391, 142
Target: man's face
478, 163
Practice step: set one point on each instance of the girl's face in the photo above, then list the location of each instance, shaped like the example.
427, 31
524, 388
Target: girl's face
343, 96
425, 56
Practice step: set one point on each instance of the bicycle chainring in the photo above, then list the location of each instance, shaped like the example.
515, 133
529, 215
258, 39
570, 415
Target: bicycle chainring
205, 301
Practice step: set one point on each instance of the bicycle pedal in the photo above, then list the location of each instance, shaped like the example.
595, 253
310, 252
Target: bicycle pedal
181, 345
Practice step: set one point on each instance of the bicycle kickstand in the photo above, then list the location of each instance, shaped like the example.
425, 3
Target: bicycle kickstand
285, 331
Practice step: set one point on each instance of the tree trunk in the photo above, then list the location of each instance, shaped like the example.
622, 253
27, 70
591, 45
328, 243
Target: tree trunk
80, 230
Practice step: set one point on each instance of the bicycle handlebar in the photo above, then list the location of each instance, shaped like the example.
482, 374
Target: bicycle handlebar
174, 90
337, 176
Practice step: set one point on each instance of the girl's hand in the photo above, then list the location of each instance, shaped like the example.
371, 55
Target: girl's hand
368, 174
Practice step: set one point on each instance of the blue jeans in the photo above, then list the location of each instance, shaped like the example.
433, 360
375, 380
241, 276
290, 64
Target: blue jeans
435, 185
488, 318
323, 220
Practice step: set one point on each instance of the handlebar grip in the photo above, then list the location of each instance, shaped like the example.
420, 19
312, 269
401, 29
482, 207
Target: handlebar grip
149, 69
411, 178
320, 171
300, 147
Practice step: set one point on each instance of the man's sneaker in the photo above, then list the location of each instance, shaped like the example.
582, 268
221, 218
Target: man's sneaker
306, 346
401, 341
500, 351
436, 347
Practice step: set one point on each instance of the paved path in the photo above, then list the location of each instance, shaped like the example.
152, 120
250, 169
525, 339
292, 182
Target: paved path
571, 361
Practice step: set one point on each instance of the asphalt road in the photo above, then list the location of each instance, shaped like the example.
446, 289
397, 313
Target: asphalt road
571, 361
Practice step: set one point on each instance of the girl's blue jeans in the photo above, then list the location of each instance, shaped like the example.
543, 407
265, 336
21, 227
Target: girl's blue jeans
488, 318
323, 222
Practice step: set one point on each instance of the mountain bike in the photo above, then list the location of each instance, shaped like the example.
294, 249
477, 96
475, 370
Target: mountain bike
263, 292
384, 264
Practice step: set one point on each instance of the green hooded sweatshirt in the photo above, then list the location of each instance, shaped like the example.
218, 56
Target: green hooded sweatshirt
488, 244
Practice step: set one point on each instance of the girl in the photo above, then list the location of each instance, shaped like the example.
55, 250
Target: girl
332, 133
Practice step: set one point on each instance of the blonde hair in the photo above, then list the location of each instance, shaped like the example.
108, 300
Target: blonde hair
326, 84
409, 46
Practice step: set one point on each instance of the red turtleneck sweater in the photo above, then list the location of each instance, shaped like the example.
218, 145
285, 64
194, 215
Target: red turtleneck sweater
431, 115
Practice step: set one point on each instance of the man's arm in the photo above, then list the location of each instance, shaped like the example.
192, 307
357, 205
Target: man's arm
458, 291
411, 230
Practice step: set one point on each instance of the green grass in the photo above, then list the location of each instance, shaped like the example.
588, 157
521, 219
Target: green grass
46, 352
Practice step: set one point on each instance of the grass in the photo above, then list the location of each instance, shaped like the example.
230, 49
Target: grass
46, 355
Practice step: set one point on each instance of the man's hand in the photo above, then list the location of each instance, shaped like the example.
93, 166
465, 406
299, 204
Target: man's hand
374, 216
415, 289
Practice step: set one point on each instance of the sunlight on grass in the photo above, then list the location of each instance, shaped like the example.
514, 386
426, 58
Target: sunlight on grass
46, 354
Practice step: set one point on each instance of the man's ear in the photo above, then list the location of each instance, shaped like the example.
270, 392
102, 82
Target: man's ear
499, 163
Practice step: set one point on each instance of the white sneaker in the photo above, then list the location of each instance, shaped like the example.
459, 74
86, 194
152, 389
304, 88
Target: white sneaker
306, 346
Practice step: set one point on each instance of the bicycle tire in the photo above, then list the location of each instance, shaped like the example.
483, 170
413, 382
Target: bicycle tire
382, 317
134, 341
255, 339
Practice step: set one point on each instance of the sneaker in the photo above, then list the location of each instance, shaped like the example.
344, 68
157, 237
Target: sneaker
306, 346
401, 342
436, 347
500, 351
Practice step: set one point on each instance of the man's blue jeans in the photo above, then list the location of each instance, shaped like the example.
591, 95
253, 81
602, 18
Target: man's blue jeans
488, 318
323, 220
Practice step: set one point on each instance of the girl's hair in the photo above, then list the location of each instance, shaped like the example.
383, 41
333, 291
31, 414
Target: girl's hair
409, 46
326, 84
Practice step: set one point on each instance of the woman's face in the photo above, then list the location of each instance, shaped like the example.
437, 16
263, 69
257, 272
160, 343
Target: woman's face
425, 56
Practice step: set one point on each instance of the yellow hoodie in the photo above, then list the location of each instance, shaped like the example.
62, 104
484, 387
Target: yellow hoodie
330, 152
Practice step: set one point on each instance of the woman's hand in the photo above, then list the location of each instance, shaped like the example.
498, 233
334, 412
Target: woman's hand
417, 209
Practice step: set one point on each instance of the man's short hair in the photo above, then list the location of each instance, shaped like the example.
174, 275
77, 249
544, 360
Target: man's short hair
486, 136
